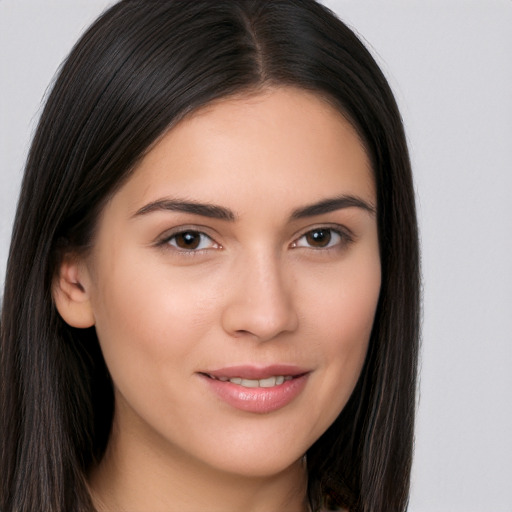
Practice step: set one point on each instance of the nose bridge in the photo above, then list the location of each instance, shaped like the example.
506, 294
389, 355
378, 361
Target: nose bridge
261, 297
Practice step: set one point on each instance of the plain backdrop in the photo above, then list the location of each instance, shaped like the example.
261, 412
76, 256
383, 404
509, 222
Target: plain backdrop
450, 65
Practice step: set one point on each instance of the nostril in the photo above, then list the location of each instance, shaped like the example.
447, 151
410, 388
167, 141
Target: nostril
259, 306
242, 332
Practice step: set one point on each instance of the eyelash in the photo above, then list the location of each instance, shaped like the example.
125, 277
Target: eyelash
167, 241
342, 238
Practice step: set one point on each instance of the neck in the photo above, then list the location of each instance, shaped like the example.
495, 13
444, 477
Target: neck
131, 478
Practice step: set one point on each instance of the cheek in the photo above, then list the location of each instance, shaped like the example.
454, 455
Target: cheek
147, 322
342, 302
341, 321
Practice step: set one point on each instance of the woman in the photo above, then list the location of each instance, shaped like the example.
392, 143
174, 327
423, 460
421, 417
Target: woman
211, 300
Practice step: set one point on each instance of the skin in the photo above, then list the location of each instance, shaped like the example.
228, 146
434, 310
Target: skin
259, 289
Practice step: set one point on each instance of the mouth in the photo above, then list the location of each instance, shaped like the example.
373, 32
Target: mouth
250, 376
257, 389
268, 382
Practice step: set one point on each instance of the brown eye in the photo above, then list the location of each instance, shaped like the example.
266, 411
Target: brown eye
191, 241
188, 240
322, 238
319, 237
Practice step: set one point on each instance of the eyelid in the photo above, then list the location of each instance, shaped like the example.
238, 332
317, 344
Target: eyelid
164, 239
346, 236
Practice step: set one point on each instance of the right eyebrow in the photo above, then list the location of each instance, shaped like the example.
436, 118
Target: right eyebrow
333, 204
177, 205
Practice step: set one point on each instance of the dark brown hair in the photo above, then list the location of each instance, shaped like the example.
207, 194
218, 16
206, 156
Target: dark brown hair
140, 68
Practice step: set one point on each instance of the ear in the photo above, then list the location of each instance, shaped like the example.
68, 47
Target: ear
70, 293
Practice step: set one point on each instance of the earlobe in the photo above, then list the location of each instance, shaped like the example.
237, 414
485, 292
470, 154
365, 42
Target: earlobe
71, 296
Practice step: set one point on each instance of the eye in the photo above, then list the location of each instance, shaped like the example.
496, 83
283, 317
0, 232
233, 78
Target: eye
190, 240
321, 238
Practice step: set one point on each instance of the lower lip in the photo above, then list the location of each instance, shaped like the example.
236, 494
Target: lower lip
258, 400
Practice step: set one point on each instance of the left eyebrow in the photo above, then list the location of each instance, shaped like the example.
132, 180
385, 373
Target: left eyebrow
331, 205
203, 209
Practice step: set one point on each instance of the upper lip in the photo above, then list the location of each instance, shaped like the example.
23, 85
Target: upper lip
257, 372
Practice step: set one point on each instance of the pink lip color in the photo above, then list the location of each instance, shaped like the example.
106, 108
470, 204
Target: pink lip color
257, 400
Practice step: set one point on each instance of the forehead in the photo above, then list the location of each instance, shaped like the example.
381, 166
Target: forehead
276, 145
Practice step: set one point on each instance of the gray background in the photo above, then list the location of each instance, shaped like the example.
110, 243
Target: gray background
450, 65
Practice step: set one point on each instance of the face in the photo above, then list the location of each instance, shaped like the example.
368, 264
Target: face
234, 280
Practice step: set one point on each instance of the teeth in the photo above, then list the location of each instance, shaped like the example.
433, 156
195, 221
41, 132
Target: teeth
269, 382
248, 383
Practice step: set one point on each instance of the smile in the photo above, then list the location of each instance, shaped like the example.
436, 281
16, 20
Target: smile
268, 382
257, 390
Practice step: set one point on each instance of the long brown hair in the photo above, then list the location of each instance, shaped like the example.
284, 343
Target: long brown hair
140, 68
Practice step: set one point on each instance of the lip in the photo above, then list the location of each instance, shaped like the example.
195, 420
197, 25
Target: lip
257, 372
256, 400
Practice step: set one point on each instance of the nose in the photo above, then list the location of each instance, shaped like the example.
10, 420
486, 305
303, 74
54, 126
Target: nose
260, 304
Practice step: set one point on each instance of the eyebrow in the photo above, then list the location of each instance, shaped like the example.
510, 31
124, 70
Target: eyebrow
331, 205
177, 205
219, 212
